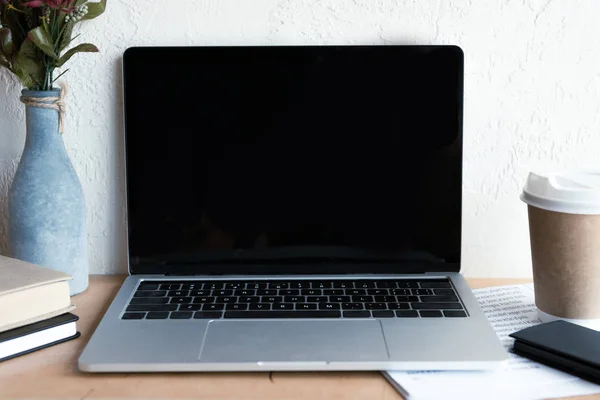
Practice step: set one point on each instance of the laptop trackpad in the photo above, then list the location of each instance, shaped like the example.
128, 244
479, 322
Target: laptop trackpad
285, 341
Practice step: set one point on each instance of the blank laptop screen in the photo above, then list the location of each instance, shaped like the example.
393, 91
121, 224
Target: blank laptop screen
260, 148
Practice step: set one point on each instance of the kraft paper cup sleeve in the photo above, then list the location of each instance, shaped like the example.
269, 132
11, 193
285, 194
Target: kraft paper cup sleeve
565, 251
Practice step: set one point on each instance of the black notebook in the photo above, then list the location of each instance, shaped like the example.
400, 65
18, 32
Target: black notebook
39, 335
562, 345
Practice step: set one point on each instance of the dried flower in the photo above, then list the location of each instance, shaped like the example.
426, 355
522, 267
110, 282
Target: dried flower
47, 16
55, 4
77, 14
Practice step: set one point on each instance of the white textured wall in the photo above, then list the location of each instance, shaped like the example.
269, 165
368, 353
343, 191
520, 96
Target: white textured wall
532, 94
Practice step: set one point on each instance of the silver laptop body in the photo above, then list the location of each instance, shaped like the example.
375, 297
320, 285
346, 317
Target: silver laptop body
278, 225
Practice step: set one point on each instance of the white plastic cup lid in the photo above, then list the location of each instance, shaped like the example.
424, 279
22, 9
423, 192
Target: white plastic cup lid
575, 192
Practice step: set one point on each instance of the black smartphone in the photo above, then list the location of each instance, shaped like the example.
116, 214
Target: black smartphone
562, 345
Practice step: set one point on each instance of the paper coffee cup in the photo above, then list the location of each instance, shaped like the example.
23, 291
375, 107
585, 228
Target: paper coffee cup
564, 231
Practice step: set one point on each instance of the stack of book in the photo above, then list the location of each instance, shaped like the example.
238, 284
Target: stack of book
35, 308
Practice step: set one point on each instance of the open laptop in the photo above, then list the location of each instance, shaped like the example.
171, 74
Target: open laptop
293, 208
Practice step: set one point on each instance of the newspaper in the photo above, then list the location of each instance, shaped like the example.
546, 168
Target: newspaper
509, 309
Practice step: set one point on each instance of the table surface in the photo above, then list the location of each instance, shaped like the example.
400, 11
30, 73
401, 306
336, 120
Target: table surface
53, 372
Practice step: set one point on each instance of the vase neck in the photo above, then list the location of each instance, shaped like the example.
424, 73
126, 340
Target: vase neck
42, 122
42, 130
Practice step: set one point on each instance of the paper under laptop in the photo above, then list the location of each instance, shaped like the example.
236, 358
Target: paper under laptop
509, 309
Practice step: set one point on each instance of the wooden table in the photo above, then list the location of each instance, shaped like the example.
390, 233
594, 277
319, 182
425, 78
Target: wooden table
53, 373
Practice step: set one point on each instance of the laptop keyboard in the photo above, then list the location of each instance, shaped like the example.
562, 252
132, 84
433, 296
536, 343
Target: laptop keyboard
405, 298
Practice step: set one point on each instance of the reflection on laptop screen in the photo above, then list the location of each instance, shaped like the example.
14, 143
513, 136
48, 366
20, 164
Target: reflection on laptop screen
263, 147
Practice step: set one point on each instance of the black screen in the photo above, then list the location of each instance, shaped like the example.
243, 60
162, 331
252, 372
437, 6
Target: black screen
303, 147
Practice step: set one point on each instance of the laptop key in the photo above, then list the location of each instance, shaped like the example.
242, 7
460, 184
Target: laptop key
352, 306
207, 314
343, 284
431, 314
202, 299
455, 314
157, 315
148, 293
435, 285
191, 286
223, 292
294, 299
213, 285
170, 286
256, 285
148, 286
375, 306
212, 306
149, 300
200, 293
178, 293
398, 306
321, 285
272, 299
400, 292
233, 285
356, 292
236, 306
357, 314
383, 314
362, 299
443, 292
306, 306
244, 292
340, 299
329, 306
249, 299
280, 314
439, 299
407, 284
300, 285
422, 292
133, 315
378, 292
407, 314
261, 306
189, 307
181, 315
181, 300
364, 284
333, 292
385, 284
316, 299
436, 306
289, 292
266, 292
385, 299
311, 292
226, 299
152, 307
283, 306
407, 299
279, 285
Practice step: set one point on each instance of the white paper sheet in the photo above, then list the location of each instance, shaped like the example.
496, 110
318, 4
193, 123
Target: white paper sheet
509, 309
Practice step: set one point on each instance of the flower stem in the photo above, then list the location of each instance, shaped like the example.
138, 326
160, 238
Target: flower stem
11, 7
59, 75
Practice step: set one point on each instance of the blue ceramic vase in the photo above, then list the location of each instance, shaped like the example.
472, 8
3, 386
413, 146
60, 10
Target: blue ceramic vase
46, 205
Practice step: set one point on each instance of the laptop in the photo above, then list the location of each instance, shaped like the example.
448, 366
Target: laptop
293, 208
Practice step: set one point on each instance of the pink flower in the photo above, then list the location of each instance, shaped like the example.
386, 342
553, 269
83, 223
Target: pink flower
55, 4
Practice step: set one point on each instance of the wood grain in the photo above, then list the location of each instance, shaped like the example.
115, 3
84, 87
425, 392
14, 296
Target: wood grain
53, 373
